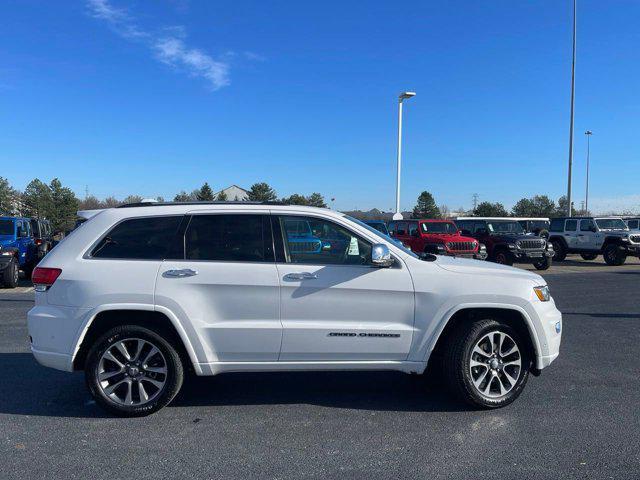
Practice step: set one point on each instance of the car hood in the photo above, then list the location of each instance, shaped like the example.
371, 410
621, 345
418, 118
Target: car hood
480, 267
6, 241
451, 237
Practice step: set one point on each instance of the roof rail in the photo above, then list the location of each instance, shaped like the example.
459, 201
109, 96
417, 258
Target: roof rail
161, 204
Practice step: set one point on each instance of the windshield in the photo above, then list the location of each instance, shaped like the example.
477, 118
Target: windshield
6, 227
380, 226
378, 233
505, 227
439, 227
611, 224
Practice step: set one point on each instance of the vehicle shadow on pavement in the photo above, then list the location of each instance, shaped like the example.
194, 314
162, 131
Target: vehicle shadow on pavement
383, 391
30, 389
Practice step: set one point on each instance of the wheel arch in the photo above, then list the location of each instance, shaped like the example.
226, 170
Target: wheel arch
160, 321
512, 315
559, 238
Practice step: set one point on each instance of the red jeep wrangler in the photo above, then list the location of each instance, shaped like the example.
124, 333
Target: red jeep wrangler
436, 236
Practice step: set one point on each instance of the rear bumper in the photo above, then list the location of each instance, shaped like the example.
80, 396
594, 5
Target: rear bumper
54, 332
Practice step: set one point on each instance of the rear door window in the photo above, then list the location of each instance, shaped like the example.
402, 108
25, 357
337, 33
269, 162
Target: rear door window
586, 225
557, 224
146, 238
229, 238
401, 228
413, 228
571, 225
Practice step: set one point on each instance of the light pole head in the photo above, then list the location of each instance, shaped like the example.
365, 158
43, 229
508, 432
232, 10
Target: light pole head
588, 132
397, 216
405, 95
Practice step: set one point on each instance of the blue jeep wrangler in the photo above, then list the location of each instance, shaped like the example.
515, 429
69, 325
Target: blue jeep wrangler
18, 250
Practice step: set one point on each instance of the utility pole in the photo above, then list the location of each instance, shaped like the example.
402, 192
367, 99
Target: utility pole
573, 85
475, 197
588, 133
86, 192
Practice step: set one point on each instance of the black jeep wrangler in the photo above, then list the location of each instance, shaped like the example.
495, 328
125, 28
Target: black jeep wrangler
507, 243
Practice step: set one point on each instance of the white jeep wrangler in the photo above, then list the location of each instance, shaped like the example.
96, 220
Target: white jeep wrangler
592, 236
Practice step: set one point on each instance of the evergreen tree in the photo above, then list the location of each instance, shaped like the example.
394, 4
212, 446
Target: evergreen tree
63, 206
261, 192
316, 200
296, 199
132, 199
182, 197
488, 209
37, 199
426, 207
222, 197
205, 194
8, 198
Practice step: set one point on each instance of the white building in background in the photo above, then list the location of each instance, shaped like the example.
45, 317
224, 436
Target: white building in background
234, 193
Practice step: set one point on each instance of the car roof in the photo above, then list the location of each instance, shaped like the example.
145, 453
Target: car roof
539, 219
435, 220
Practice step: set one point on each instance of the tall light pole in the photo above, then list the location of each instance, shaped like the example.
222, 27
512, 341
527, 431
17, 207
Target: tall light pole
573, 84
588, 133
403, 96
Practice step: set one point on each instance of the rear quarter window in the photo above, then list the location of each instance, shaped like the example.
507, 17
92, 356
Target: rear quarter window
557, 225
146, 238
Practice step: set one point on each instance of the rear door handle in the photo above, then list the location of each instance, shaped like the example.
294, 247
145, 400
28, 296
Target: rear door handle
184, 272
300, 276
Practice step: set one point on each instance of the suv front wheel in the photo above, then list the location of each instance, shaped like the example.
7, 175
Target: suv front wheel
486, 363
613, 255
503, 258
132, 371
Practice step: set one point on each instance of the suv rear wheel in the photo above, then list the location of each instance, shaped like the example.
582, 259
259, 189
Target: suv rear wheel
559, 250
486, 363
10, 274
132, 371
613, 255
589, 256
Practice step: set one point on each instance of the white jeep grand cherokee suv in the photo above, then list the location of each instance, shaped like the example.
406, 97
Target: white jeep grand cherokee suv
139, 294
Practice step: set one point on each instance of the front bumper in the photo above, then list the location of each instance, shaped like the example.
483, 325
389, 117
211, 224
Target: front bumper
548, 330
531, 256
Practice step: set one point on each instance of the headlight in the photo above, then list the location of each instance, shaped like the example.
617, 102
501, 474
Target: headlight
625, 238
440, 247
7, 253
513, 246
483, 247
542, 293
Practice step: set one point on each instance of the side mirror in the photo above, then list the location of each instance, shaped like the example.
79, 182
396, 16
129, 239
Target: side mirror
593, 229
22, 233
380, 255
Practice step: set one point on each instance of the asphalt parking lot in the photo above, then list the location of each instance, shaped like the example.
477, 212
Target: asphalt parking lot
578, 420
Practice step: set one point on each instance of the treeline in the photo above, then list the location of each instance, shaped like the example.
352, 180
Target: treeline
536, 206
59, 204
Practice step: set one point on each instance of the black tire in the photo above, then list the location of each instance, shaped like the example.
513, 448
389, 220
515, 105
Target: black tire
613, 256
28, 270
589, 256
458, 371
543, 264
172, 379
559, 250
503, 258
10, 274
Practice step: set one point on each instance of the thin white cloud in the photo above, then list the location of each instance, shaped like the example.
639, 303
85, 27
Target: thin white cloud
170, 47
619, 205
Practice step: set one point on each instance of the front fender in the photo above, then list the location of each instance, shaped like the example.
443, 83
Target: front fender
426, 342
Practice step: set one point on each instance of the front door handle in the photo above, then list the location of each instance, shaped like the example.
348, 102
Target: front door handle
300, 276
181, 273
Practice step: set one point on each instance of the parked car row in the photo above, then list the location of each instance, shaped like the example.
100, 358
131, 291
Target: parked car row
23, 243
507, 240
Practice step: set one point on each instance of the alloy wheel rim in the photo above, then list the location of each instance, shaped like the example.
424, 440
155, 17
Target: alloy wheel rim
495, 365
16, 273
132, 372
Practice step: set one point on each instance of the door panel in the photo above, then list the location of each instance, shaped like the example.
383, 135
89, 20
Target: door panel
232, 307
334, 304
226, 289
346, 313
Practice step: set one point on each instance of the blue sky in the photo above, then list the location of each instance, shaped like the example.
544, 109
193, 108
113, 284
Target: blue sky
151, 98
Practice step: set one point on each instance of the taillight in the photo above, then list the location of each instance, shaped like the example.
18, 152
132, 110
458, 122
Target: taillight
43, 278
38, 241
